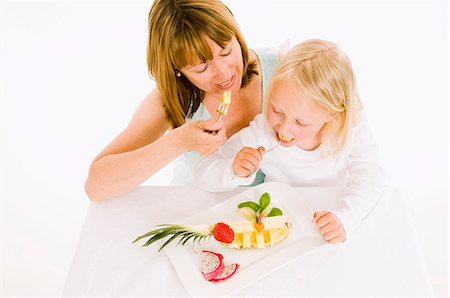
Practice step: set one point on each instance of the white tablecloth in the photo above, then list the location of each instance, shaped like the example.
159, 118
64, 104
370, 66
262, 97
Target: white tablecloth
382, 258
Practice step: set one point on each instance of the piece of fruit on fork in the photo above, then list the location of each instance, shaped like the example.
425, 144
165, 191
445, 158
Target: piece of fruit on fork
224, 104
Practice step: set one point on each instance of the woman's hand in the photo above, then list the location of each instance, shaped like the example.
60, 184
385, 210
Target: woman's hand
247, 161
330, 226
202, 136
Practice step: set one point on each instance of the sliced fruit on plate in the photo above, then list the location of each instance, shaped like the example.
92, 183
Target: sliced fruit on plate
276, 229
212, 264
264, 226
238, 235
227, 272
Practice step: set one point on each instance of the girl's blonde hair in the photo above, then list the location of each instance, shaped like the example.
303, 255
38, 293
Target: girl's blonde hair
177, 36
323, 73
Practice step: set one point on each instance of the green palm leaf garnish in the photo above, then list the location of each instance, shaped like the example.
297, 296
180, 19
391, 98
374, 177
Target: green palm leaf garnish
196, 233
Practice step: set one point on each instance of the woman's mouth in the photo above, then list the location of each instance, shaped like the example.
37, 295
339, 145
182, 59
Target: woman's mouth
226, 84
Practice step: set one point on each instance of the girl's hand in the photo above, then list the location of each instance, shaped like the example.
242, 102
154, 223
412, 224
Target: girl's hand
198, 136
247, 161
330, 226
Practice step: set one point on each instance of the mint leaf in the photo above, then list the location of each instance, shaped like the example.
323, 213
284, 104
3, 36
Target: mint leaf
264, 200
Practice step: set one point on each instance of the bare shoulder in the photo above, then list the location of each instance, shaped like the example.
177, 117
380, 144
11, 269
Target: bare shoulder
148, 124
151, 112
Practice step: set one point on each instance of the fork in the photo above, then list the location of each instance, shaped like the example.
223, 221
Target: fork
224, 103
278, 144
275, 146
222, 108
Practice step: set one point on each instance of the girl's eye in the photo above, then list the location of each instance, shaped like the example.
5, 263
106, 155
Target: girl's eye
275, 110
301, 124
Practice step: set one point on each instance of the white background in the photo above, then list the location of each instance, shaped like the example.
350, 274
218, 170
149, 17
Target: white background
72, 74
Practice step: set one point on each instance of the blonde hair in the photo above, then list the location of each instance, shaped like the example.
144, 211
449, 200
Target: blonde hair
323, 73
177, 36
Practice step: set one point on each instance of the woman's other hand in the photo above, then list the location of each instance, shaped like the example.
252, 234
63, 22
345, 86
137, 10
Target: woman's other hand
202, 136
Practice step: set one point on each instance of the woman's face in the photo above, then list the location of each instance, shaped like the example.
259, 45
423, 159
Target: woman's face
295, 120
222, 73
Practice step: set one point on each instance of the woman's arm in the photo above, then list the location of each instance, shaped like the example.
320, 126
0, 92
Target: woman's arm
144, 147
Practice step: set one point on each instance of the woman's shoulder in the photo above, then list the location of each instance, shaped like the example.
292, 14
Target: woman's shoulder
272, 53
151, 111
267, 56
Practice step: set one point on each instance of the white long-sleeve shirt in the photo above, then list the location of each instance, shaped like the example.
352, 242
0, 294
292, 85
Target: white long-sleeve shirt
355, 168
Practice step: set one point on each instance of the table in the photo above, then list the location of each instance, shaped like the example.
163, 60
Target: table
382, 258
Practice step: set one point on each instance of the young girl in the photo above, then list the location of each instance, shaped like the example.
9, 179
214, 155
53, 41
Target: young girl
313, 133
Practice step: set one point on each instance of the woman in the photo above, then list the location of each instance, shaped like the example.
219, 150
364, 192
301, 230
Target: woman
195, 53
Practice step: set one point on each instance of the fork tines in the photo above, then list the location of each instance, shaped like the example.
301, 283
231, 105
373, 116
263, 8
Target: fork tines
224, 103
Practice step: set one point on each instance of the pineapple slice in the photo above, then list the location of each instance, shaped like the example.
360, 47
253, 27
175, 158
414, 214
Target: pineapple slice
276, 229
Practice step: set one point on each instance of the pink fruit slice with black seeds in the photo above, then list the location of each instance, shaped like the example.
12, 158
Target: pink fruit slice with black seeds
227, 272
212, 264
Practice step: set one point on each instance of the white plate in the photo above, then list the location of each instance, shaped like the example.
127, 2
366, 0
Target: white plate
254, 264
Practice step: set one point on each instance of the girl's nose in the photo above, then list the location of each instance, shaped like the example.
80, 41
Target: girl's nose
284, 129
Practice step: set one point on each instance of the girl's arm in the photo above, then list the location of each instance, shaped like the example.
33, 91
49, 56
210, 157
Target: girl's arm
215, 172
365, 179
144, 147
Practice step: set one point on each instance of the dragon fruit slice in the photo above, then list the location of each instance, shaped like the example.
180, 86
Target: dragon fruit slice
227, 272
212, 264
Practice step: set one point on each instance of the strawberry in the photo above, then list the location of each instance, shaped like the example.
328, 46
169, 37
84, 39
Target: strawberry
223, 233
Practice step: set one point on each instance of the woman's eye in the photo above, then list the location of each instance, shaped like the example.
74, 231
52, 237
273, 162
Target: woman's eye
227, 50
202, 69
301, 124
227, 53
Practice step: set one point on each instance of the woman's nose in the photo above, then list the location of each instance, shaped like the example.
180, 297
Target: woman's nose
222, 71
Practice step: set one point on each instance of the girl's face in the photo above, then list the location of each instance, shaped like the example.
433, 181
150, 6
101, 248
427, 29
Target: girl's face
295, 120
222, 73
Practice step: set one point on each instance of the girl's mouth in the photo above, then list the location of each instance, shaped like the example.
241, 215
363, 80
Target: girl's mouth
283, 139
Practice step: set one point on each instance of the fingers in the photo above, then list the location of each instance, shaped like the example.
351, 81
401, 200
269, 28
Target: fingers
247, 161
210, 125
198, 137
261, 150
251, 155
329, 226
318, 215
